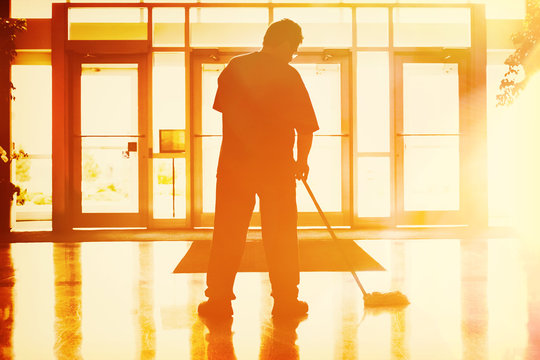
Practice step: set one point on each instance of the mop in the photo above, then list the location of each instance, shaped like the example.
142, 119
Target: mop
374, 299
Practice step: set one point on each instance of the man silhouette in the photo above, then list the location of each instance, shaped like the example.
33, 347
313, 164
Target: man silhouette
263, 102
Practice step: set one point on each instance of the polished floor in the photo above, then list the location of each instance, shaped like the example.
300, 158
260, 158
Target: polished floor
470, 299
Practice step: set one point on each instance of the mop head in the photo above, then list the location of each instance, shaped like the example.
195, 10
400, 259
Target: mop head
391, 299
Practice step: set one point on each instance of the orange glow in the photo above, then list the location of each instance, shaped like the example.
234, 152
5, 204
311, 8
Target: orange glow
471, 298
431, 171
527, 170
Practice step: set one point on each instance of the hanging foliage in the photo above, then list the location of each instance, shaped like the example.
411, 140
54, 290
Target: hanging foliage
8, 31
525, 60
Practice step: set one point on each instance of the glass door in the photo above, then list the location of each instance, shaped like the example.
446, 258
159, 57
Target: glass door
326, 78
430, 135
109, 160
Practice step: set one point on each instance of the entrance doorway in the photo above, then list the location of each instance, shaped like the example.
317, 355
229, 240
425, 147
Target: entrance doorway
108, 137
113, 181
430, 136
326, 76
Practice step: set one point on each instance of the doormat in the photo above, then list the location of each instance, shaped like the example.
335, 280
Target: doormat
314, 255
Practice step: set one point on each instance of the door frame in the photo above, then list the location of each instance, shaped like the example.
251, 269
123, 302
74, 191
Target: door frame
80, 219
336, 56
428, 218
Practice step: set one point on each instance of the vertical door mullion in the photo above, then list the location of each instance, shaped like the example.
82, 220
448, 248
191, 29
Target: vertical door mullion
399, 140
143, 116
346, 143
463, 71
76, 141
196, 126
189, 123
148, 74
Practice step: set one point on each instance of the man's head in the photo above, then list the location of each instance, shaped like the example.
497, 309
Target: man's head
282, 38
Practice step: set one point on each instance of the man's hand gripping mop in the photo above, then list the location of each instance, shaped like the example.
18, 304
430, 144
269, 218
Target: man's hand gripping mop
375, 299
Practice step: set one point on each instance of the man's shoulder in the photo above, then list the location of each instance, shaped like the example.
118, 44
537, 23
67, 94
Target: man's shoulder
292, 71
244, 58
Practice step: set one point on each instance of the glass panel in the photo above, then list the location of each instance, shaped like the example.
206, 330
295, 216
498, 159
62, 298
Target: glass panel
373, 186
34, 176
109, 104
31, 115
432, 27
372, 26
321, 26
210, 156
166, 204
373, 102
430, 98
324, 176
431, 173
211, 125
168, 26
228, 26
323, 82
168, 94
495, 9
211, 119
110, 175
31, 111
107, 23
503, 9
31, 9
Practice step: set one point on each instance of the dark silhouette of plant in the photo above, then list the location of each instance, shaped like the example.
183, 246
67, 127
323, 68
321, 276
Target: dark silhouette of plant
8, 31
7, 188
521, 65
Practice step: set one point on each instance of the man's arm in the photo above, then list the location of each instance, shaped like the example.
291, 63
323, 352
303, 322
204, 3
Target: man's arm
303, 146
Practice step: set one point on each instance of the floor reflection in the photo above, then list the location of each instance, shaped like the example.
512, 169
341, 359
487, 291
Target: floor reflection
68, 301
470, 299
399, 346
146, 328
474, 317
219, 339
7, 280
530, 250
279, 340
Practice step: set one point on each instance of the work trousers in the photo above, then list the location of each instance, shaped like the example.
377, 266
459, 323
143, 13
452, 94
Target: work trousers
235, 200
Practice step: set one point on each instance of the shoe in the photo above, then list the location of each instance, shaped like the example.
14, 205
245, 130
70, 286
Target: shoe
292, 309
214, 308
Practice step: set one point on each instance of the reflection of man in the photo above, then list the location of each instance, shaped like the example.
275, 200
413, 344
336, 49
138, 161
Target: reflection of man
278, 339
263, 101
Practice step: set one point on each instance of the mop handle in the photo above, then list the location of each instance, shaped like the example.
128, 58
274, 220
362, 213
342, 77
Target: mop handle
333, 235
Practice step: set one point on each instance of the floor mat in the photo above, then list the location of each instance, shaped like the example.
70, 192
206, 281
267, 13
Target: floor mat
315, 255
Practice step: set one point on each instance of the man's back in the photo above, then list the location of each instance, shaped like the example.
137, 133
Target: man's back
263, 101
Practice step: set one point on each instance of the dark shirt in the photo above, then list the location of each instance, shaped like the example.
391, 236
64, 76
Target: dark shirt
263, 101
